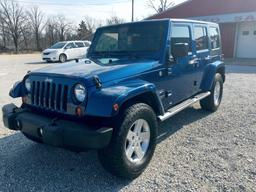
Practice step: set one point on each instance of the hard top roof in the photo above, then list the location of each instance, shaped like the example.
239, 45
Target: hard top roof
164, 20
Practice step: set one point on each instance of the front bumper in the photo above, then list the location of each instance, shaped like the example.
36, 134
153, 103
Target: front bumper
56, 132
50, 57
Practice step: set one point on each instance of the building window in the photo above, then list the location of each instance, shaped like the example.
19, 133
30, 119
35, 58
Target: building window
254, 33
201, 38
214, 37
181, 34
245, 33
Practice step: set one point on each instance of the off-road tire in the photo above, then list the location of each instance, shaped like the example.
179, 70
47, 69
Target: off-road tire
63, 58
208, 103
113, 157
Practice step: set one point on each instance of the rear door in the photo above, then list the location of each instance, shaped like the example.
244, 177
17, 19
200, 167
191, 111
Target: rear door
202, 54
81, 49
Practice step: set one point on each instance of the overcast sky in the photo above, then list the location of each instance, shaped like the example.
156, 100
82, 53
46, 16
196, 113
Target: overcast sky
99, 9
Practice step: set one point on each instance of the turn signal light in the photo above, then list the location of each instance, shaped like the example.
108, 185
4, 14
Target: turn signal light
116, 107
79, 111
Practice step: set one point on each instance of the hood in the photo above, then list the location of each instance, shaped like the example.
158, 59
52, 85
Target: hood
49, 50
105, 73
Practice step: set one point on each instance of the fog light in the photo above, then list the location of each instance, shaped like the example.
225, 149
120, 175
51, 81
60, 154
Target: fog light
40, 132
79, 111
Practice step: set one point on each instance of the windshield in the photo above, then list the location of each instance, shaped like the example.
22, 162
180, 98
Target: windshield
139, 37
58, 45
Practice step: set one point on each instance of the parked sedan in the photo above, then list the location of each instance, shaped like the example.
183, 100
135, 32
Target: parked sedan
66, 50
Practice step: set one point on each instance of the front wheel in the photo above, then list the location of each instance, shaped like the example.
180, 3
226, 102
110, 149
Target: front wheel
212, 102
63, 58
133, 142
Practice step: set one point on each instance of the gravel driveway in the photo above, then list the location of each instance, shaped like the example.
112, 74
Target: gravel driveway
198, 151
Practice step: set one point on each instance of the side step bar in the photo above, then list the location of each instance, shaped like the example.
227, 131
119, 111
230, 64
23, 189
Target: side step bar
176, 109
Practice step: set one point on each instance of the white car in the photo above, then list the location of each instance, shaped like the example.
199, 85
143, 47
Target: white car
66, 50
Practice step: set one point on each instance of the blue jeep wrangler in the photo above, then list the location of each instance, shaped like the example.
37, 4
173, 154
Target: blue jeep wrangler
135, 76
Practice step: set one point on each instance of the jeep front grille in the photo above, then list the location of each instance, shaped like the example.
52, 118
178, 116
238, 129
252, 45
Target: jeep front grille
48, 95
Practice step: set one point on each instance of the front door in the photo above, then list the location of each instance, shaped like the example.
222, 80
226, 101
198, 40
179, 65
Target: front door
70, 51
180, 73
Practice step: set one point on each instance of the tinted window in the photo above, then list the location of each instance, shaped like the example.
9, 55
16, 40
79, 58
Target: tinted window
107, 42
201, 38
214, 37
79, 44
181, 34
58, 45
144, 37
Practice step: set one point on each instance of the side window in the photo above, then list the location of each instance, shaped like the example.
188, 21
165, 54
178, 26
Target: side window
70, 46
79, 44
87, 44
214, 37
181, 34
201, 38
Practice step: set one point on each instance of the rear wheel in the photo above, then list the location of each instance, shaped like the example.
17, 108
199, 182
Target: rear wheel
133, 142
213, 101
63, 58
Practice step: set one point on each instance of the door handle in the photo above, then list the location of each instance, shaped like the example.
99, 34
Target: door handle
208, 58
193, 61
169, 71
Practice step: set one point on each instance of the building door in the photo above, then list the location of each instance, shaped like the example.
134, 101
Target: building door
246, 45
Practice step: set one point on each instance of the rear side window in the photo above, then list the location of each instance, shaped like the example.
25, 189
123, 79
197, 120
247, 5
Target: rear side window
214, 37
201, 38
79, 44
181, 34
87, 44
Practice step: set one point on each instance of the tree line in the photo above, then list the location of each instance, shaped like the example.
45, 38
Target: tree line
29, 29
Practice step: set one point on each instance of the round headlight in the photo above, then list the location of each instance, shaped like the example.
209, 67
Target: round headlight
80, 92
28, 84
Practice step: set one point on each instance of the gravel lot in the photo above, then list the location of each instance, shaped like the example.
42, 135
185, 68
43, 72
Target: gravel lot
198, 151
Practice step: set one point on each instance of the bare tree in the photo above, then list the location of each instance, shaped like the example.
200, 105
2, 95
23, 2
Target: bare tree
63, 27
36, 19
13, 17
114, 20
90, 25
26, 41
160, 5
50, 31
3, 31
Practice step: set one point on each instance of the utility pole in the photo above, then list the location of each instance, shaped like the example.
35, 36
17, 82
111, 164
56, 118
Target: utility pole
132, 10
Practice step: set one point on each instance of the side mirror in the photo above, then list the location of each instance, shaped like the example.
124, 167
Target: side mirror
180, 50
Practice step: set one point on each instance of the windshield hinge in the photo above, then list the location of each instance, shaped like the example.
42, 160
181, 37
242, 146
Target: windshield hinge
97, 81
